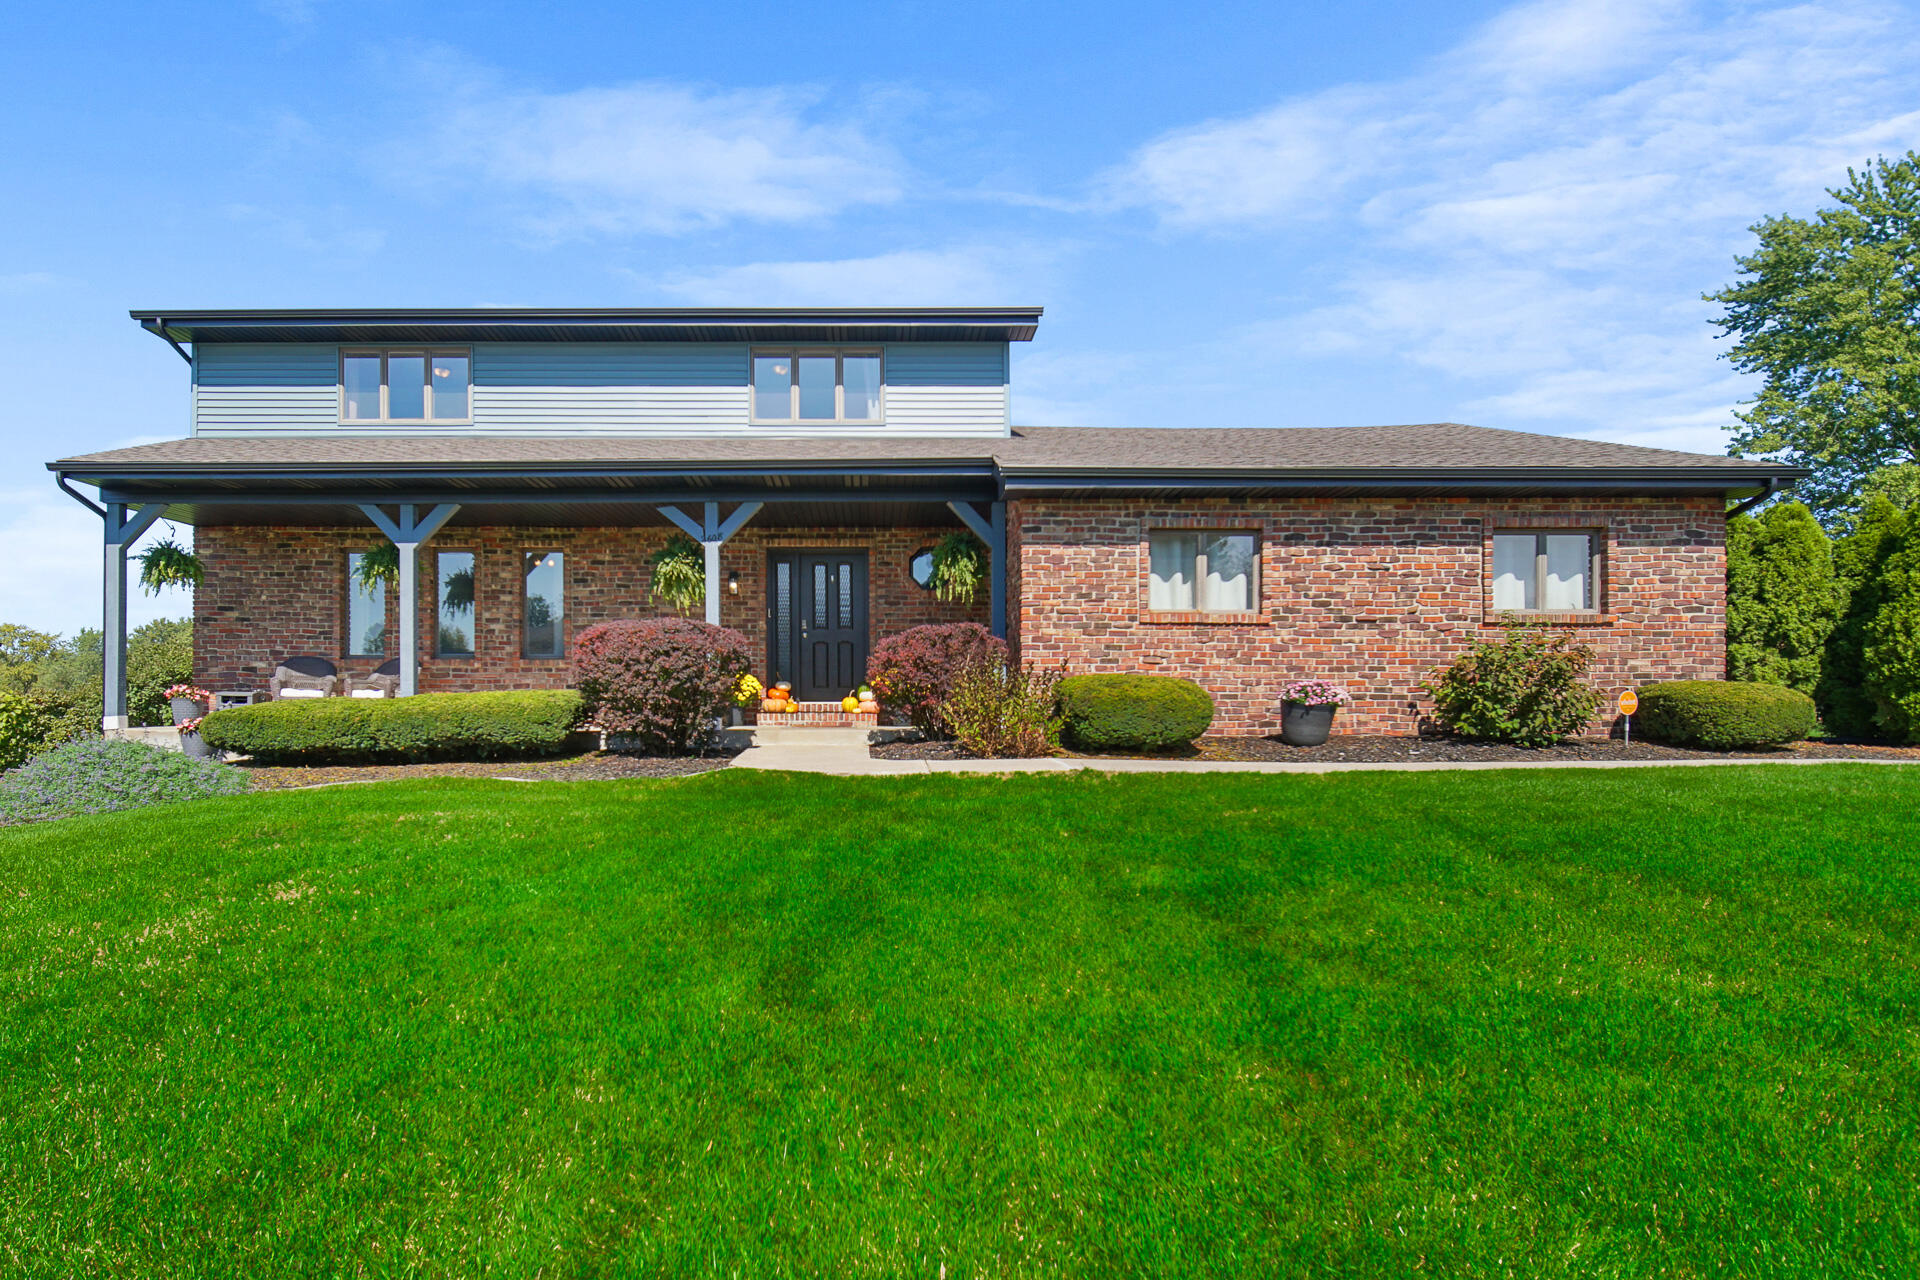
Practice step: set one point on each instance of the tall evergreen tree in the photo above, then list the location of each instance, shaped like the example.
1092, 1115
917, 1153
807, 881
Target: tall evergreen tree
1782, 600
1847, 705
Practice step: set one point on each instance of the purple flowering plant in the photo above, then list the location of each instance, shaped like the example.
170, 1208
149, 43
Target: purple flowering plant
99, 775
1315, 693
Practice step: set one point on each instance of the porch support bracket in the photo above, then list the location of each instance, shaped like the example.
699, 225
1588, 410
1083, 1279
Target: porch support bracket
121, 531
711, 532
406, 533
991, 529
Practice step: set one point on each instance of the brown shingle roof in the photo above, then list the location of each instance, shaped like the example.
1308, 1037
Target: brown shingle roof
1091, 451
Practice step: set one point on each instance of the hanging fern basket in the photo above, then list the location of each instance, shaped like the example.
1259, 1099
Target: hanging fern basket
959, 568
379, 568
680, 574
168, 564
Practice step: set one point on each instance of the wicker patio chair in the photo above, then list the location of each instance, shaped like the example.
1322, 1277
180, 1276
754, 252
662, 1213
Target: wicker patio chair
307, 676
383, 683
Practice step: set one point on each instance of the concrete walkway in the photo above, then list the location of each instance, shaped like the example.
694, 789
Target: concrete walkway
843, 752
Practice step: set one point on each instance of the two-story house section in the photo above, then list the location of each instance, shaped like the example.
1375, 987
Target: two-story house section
527, 464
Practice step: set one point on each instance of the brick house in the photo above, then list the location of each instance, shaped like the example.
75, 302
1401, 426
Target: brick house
528, 463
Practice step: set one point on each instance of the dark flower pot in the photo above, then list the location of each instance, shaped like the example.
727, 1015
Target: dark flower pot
1305, 726
194, 745
185, 709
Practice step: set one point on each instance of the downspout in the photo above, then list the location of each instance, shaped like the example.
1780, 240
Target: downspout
159, 326
60, 478
1771, 487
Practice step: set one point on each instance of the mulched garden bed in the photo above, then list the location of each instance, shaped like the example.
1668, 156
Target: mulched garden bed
596, 766
1361, 748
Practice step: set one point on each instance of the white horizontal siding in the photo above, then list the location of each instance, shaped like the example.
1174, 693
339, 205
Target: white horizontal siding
613, 388
255, 388
946, 388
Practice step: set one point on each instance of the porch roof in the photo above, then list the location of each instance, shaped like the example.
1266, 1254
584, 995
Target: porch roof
559, 473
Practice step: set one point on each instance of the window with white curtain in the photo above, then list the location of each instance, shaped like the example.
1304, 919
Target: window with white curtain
1203, 571
1547, 571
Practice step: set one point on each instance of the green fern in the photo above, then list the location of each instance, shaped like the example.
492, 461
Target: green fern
168, 564
379, 568
959, 568
680, 574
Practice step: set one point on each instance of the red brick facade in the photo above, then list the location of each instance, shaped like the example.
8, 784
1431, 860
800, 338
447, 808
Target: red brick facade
1372, 594
272, 593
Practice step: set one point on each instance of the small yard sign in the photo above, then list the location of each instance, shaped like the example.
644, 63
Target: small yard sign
1629, 702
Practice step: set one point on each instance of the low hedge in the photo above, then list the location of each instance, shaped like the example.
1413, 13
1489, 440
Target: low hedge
1722, 715
432, 726
1132, 713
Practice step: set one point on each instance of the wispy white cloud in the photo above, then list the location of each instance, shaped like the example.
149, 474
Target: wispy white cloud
650, 157
1538, 210
971, 275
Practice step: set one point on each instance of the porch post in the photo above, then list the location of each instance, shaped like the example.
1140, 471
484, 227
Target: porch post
407, 533
121, 532
992, 530
712, 533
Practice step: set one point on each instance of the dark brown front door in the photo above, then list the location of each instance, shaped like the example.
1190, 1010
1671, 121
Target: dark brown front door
817, 621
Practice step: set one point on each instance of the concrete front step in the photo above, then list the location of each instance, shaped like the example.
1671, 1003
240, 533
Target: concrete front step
807, 735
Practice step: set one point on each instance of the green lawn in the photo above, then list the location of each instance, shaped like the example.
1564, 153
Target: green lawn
1633, 1022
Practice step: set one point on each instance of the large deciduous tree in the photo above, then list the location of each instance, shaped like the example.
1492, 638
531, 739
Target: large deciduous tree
1827, 310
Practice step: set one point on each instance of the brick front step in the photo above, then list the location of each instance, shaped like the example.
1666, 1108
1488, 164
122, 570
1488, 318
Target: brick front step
823, 714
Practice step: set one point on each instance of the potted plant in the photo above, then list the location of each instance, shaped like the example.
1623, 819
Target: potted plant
188, 703
1307, 709
746, 691
959, 568
168, 564
190, 706
679, 574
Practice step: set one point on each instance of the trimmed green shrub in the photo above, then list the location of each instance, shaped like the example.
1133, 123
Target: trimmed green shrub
432, 726
1782, 599
1891, 653
100, 775
1529, 689
25, 724
1847, 706
1002, 711
914, 671
1133, 712
1724, 715
663, 683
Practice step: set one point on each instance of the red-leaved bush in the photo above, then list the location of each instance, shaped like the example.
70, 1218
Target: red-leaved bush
914, 671
661, 682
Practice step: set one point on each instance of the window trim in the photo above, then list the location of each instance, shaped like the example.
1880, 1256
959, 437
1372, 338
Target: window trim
546, 549
350, 588
433, 603
386, 354
1540, 528
795, 354
1205, 528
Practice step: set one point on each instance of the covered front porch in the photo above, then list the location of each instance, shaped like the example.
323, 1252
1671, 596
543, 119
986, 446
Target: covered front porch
500, 568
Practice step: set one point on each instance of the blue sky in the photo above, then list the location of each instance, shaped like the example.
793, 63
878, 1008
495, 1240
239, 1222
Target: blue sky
1239, 214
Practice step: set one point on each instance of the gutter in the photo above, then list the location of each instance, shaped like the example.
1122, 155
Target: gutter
158, 325
1768, 489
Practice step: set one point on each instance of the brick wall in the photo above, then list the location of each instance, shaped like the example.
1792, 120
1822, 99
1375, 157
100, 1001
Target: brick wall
1371, 594
271, 593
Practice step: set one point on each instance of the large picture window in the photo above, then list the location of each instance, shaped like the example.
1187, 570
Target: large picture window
1546, 571
453, 604
1202, 571
428, 385
366, 613
816, 386
544, 605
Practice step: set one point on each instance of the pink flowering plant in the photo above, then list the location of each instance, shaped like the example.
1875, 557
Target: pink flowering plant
196, 694
1315, 693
